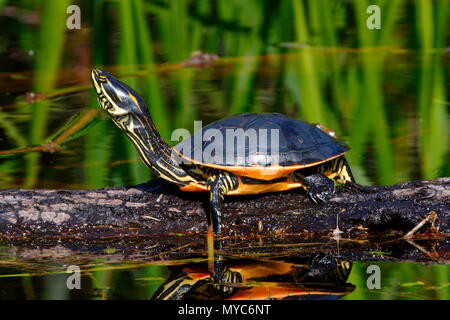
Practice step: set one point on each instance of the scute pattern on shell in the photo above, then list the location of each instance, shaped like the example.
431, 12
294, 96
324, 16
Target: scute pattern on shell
299, 143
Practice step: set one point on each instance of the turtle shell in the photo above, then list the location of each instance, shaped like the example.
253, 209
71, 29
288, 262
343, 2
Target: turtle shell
259, 140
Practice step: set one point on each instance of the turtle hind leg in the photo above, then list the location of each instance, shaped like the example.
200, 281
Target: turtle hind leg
345, 176
344, 173
319, 188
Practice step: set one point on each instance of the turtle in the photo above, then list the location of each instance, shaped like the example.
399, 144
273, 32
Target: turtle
245, 279
224, 157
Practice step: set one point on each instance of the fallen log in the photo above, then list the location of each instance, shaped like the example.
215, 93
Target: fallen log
157, 208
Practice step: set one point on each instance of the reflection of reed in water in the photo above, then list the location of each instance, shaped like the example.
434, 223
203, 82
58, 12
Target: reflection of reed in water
317, 277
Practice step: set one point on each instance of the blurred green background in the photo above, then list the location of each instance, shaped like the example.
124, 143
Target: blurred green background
385, 91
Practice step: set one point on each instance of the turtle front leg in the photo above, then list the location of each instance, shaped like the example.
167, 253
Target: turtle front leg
219, 186
318, 187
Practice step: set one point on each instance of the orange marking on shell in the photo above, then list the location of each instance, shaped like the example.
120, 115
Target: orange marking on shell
194, 187
263, 269
264, 188
247, 188
264, 292
259, 172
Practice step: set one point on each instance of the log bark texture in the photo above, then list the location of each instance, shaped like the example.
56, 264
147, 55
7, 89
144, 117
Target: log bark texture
156, 208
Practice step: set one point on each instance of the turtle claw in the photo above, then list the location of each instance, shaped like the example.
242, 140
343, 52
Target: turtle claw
318, 196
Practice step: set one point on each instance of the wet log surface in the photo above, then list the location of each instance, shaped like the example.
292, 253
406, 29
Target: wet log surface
155, 223
157, 208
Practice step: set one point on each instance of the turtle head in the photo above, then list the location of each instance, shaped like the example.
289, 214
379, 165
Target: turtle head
130, 114
116, 97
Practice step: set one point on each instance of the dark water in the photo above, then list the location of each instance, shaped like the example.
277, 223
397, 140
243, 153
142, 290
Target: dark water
384, 92
319, 276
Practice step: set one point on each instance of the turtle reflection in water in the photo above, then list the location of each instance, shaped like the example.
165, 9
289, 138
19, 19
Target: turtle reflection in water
306, 156
322, 277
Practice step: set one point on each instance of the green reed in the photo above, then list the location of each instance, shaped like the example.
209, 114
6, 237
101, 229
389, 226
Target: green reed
50, 41
328, 75
432, 27
321, 79
401, 281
